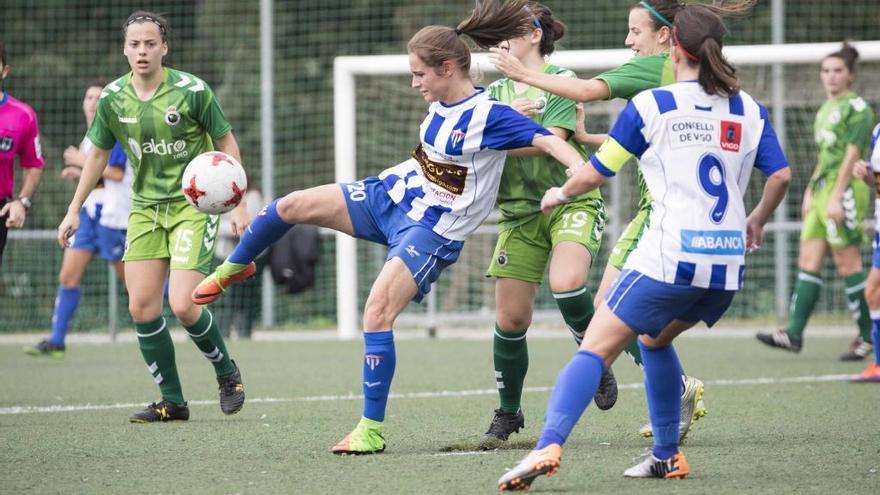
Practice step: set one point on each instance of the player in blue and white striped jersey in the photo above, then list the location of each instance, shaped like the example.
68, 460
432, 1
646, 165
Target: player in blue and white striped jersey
871, 373
697, 142
423, 208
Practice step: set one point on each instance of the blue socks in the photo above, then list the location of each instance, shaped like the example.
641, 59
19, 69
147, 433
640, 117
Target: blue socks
266, 228
574, 389
663, 388
875, 335
379, 362
66, 303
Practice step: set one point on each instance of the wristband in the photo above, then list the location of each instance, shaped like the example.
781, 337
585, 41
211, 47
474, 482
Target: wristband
561, 196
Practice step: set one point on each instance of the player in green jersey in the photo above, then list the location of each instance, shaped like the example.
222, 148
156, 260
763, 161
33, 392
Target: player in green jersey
569, 238
834, 208
163, 118
649, 36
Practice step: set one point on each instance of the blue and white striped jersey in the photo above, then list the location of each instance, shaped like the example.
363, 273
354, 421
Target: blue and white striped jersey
450, 183
696, 152
874, 164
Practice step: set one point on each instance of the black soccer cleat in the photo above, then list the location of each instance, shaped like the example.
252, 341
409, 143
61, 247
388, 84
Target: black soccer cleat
781, 340
606, 394
501, 427
45, 348
160, 413
231, 392
859, 349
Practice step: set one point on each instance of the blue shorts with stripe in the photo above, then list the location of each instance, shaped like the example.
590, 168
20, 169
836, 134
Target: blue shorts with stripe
376, 218
647, 306
92, 236
875, 260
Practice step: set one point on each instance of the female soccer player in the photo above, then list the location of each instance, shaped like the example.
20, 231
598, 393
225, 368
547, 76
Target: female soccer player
698, 141
162, 117
833, 208
569, 239
422, 209
102, 221
872, 288
649, 35
19, 136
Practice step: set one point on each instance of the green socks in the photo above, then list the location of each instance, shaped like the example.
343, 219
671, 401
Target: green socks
154, 340
206, 334
806, 293
577, 310
511, 364
855, 299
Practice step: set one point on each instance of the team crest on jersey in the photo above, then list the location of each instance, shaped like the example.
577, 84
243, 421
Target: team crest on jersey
502, 258
172, 116
731, 135
6, 144
456, 137
540, 104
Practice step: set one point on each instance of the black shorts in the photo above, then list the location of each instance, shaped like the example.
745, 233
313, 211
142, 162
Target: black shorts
3, 229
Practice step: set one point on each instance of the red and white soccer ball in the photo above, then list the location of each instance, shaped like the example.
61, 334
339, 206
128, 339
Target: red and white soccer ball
214, 182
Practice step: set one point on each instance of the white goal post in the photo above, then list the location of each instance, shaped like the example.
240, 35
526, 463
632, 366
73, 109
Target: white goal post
346, 69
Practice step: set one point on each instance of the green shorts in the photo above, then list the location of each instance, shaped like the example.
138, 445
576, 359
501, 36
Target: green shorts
522, 252
630, 237
817, 226
174, 231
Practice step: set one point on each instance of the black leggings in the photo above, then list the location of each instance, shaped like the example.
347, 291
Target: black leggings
3, 229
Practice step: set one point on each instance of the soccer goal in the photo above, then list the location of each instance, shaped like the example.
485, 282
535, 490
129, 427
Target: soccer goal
376, 118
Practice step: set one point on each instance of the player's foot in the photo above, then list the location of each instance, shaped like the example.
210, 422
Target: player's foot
692, 409
366, 438
676, 467
858, 350
781, 340
212, 287
538, 462
871, 374
606, 394
231, 391
45, 348
161, 412
501, 427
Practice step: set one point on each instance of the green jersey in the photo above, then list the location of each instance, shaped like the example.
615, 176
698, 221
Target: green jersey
160, 135
636, 75
839, 122
525, 179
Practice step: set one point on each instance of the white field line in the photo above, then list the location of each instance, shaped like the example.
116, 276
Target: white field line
59, 408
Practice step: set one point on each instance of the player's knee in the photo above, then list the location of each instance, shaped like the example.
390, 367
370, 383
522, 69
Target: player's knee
68, 280
378, 314
143, 311
291, 206
872, 294
566, 282
511, 322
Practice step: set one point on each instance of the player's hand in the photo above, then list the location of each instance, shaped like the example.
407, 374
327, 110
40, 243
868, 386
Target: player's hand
73, 157
240, 219
524, 106
860, 169
15, 212
580, 126
806, 203
754, 235
550, 200
68, 227
507, 64
835, 211
71, 173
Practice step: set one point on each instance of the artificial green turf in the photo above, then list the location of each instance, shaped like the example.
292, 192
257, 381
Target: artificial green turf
813, 437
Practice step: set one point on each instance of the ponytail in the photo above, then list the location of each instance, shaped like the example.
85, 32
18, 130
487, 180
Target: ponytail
848, 54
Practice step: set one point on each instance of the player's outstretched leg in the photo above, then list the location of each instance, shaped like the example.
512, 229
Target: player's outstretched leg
380, 360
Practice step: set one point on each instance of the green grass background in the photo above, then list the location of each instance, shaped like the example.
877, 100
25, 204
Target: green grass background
819, 437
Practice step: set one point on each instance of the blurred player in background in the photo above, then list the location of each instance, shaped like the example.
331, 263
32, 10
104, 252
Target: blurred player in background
569, 238
834, 208
422, 209
871, 169
19, 136
163, 118
698, 141
102, 221
649, 35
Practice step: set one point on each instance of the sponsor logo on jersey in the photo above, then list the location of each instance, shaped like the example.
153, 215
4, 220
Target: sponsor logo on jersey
448, 176
128, 120
175, 149
731, 135
6, 144
690, 131
172, 116
717, 242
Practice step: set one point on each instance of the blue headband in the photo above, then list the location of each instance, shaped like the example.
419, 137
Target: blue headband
656, 14
533, 16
